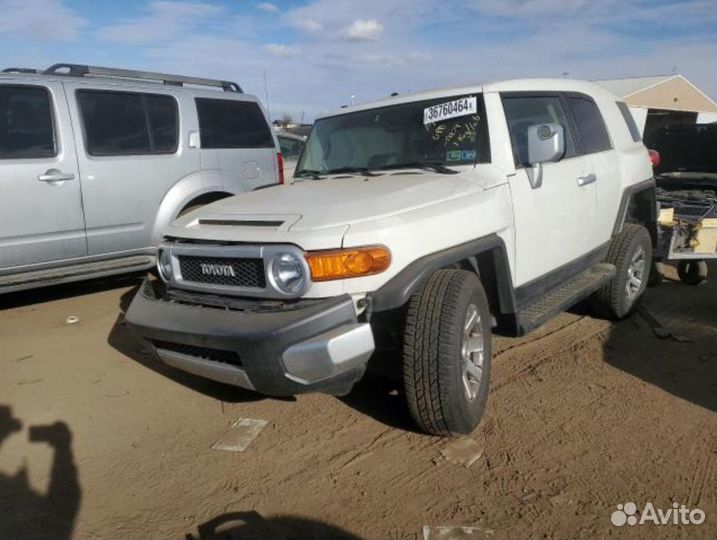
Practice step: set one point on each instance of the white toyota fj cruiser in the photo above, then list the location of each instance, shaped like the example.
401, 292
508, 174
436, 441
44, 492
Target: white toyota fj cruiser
417, 224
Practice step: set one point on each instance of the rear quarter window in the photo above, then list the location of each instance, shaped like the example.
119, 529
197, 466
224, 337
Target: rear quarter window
592, 133
227, 123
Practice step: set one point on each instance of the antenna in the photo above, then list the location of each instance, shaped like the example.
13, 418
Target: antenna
266, 94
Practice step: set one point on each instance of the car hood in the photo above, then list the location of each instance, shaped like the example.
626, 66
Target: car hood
326, 207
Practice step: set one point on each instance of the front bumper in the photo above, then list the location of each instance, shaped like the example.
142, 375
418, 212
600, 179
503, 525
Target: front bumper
312, 346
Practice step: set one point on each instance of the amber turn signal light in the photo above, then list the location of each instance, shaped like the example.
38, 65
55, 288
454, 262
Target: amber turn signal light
348, 263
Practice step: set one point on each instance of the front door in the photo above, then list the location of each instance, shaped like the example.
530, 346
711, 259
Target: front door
41, 217
555, 224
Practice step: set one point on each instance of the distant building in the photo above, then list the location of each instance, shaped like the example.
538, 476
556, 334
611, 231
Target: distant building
662, 100
302, 130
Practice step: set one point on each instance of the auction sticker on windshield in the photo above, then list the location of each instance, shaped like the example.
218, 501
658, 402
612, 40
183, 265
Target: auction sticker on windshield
450, 109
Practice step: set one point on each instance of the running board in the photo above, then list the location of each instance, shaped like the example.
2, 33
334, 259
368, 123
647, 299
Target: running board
563, 296
75, 272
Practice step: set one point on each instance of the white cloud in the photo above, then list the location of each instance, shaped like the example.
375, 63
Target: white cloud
308, 25
363, 30
389, 60
423, 45
282, 50
163, 20
43, 20
268, 7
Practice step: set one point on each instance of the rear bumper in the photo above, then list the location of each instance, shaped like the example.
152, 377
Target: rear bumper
317, 346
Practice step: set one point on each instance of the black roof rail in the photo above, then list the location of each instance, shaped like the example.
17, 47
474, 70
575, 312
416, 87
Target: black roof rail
19, 70
80, 70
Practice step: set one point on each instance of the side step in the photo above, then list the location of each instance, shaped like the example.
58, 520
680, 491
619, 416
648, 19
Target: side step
563, 296
75, 272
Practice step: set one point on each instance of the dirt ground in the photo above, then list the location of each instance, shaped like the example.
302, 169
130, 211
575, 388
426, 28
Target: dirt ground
98, 439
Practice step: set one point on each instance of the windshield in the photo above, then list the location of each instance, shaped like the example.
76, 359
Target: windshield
440, 132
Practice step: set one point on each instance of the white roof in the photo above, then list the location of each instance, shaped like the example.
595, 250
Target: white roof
511, 85
632, 85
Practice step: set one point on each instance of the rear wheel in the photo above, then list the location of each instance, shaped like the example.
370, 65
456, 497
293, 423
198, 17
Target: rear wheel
692, 272
447, 353
631, 253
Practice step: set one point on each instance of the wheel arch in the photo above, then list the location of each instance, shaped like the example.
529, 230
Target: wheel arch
639, 205
196, 187
486, 256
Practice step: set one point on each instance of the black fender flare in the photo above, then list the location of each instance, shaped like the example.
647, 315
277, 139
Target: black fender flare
490, 256
642, 198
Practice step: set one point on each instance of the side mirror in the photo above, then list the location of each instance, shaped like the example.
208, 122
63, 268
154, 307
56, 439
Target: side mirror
546, 143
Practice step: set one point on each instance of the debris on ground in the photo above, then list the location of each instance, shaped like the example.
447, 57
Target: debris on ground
463, 452
659, 330
240, 435
456, 533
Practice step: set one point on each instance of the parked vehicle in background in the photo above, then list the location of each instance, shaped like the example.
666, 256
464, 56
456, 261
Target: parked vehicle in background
416, 225
96, 162
687, 194
291, 147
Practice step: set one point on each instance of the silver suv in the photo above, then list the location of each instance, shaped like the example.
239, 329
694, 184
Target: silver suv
96, 162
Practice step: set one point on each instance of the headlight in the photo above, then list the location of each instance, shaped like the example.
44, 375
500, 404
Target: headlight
164, 264
288, 273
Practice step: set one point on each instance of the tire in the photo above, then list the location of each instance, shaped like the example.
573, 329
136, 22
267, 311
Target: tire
441, 402
692, 272
631, 253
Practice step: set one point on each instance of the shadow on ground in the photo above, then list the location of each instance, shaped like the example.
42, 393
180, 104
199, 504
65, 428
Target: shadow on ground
671, 342
251, 525
27, 513
123, 340
67, 290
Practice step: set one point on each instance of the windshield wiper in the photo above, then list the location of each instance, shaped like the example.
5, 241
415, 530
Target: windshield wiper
361, 170
436, 166
307, 173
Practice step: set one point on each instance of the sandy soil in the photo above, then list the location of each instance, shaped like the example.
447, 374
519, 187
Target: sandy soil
583, 415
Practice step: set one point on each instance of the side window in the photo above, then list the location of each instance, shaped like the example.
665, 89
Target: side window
523, 112
591, 127
128, 123
227, 123
290, 148
26, 127
629, 120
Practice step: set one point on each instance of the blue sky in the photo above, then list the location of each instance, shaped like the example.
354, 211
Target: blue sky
317, 54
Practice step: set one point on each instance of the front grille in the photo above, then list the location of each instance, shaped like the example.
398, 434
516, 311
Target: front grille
205, 353
248, 273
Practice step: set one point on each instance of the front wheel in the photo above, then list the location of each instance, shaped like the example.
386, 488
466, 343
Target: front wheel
447, 353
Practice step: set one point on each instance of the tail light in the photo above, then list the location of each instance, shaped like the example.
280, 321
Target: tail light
655, 158
280, 165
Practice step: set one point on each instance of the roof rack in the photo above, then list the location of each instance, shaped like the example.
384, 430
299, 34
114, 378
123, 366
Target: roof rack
79, 70
19, 70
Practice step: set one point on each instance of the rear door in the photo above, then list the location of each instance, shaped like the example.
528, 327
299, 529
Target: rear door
594, 143
41, 216
236, 140
132, 153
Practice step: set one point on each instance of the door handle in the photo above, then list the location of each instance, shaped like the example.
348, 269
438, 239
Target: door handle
586, 179
53, 175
